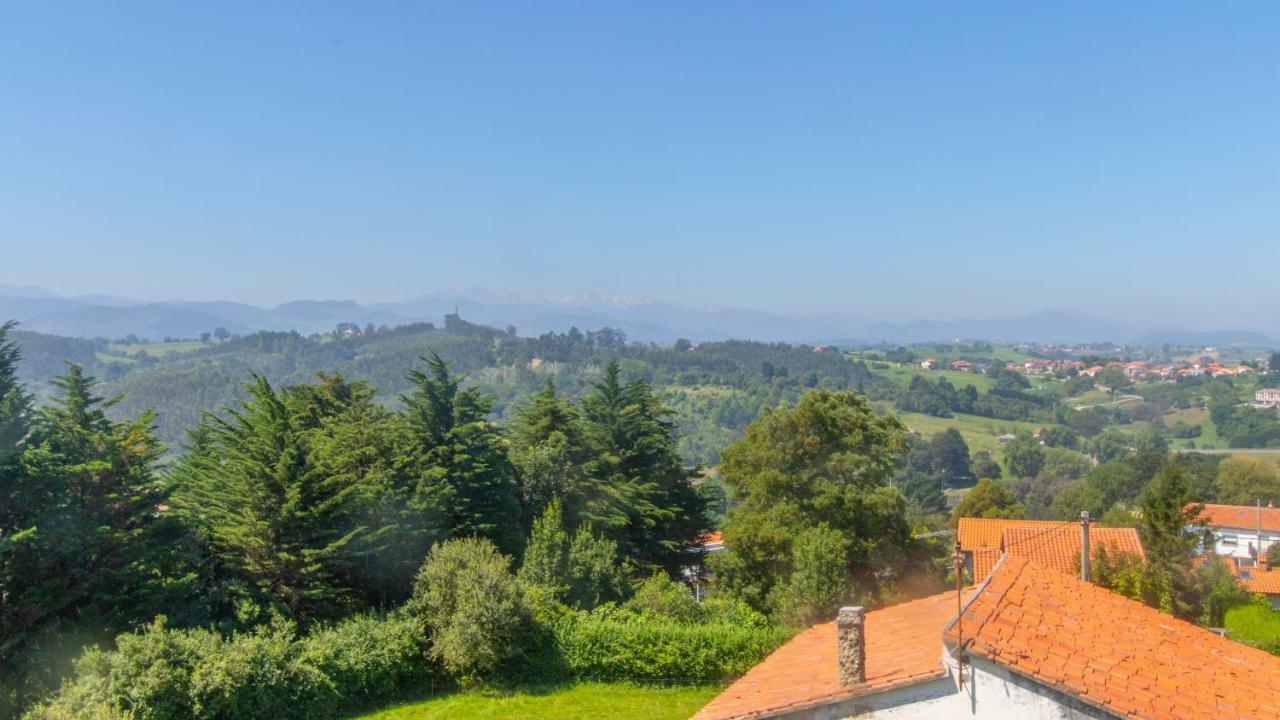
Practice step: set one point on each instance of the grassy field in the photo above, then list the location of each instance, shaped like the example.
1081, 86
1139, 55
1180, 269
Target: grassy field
109, 359
584, 701
902, 375
979, 433
158, 349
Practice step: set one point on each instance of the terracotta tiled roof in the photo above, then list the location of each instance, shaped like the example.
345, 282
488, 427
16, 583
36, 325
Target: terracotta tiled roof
974, 533
1059, 548
1258, 579
1064, 633
984, 561
1115, 653
903, 646
1240, 516
1054, 543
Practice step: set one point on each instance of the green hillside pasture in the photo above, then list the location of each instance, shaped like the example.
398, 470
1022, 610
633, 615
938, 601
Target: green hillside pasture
584, 701
159, 349
902, 376
979, 433
1193, 416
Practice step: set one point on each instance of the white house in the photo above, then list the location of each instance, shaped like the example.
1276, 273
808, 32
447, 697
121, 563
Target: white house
1269, 397
1241, 532
1031, 643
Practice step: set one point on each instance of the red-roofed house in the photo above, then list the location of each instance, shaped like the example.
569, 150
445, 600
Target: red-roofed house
1241, 532
1261, 580
1052, 543
1031, 643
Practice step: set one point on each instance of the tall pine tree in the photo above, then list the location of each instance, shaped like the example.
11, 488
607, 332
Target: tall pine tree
357, 443
101, 553
633, 448
549, 445
280, 529
459, 455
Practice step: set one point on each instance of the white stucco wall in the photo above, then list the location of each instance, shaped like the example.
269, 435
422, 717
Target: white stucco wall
990, 692
1235, 542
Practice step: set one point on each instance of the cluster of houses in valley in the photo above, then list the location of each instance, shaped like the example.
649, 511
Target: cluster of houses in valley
1141, 370
1136, 370
1030, 637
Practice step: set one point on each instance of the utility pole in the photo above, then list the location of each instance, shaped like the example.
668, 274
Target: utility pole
1261, 555
1084, 546
958, 560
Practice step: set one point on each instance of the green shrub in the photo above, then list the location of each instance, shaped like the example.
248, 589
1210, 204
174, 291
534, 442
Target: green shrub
369, 660
150, 672
663, 597
162, 674
613, 645
260, 675
470, 605
1255, 623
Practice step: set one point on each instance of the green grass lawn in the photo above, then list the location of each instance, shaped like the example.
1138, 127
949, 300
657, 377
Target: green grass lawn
583, 701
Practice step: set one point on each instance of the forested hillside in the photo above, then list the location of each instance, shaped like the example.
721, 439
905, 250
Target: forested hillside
716, 389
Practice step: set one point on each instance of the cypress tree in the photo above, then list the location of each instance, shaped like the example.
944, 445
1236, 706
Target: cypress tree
633, 446
550, 448
277, 526
460, 455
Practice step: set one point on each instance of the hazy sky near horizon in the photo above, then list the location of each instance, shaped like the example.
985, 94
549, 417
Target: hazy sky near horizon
895, 161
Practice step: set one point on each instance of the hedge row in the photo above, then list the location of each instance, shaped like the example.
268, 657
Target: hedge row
366, 662
661, 650
271, 673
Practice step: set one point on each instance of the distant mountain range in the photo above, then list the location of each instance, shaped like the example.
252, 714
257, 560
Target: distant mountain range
112, 317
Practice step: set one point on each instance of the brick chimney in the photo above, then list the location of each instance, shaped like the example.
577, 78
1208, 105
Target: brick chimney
851, 641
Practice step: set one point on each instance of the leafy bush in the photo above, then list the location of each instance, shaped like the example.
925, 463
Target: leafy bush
663, 597
261, 675
612, 644
162, 674
369, 660
471, 606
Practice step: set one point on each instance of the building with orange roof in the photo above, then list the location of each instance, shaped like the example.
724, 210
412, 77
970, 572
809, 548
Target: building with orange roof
1241, 532
1029, 643
1053, 543
1261, 580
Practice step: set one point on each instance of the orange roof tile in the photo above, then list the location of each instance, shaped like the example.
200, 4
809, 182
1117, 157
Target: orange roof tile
1258, 579
1112, 652
984, 561
1240, 516
1054, 543
1059, 548
974, 533
903, 647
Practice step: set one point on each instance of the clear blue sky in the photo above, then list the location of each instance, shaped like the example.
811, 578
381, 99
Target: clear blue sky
900, 161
